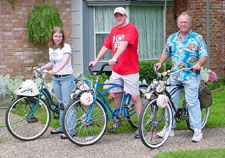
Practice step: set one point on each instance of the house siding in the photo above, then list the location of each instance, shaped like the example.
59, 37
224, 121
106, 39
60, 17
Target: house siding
18, 55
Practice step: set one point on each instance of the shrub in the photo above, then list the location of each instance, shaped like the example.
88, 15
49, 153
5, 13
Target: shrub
41, 21
8, 86
146, 69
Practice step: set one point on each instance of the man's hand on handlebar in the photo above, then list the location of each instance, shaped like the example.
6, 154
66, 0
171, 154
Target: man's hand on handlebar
93, 63
112, 61
158, 65
196, 66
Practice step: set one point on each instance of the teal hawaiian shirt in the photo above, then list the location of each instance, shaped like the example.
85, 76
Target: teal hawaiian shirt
186, 53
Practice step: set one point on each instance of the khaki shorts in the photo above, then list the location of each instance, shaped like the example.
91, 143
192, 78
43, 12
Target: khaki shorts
130, 83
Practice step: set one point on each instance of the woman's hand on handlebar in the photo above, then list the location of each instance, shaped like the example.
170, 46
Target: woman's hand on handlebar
38, 70
52, 72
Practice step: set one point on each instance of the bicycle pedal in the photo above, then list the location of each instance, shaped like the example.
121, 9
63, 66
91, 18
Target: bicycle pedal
61, 107
32, 120
56, 117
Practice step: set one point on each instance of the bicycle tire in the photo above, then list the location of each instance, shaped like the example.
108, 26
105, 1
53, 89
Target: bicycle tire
132, 117
151, 121
22, 124
85, 132
204, 118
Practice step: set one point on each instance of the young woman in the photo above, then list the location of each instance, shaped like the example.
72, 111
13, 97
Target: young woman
62, 75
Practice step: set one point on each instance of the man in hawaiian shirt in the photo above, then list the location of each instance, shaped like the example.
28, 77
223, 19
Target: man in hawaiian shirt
187, 49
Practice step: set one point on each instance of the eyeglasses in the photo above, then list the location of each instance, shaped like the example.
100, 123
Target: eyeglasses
183, 22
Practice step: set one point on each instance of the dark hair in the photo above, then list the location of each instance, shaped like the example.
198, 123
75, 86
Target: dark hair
51, 42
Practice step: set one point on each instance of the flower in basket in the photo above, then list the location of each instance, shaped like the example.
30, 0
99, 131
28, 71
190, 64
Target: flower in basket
208, 75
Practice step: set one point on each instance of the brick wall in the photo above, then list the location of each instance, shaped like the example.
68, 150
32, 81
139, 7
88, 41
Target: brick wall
17, 54
197, 10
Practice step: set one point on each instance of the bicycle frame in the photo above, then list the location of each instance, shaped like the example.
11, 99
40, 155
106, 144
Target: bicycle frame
43, 91
166, 74
169, 95
105, 102
49, 99
125, 97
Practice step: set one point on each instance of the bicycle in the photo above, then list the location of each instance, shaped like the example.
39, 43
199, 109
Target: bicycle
157, 112
28, 116
93, 110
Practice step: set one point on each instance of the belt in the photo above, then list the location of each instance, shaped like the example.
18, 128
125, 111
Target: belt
58, 76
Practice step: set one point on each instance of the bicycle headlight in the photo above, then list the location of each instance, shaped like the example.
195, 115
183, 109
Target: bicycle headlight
162, 101
86, 99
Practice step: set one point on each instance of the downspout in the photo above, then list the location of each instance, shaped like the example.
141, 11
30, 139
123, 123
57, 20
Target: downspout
223, 34
208, 31
164, 27
164, 21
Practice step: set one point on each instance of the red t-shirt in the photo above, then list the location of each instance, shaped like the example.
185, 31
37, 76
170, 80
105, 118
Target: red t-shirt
129, 58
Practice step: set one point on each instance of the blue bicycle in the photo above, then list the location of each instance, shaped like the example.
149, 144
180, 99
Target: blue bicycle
92, 110
28, 116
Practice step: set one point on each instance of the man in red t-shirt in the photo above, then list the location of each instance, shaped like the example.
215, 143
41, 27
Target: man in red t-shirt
123, 41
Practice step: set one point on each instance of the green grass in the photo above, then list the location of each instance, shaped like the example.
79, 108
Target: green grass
217, 110
202, 153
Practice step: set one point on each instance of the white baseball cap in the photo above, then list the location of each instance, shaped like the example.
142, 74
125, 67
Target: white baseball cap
120, 10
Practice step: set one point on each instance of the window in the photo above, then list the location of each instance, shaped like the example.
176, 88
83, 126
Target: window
103, 24
148, 20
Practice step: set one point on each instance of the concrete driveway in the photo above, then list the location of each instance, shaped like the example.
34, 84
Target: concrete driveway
110, 146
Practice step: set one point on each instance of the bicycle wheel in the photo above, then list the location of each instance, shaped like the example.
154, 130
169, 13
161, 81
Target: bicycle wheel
89, 123
152, 120
27, 118
204, 118
132, 117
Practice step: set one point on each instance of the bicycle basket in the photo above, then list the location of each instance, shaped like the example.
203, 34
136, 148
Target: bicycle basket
204, 95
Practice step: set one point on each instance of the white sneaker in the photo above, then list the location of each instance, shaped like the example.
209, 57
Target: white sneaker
198, 136
162, 133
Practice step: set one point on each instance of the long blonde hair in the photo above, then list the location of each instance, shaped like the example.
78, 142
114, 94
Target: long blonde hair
51, 42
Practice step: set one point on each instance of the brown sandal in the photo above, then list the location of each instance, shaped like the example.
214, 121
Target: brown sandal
54, 131
63, 136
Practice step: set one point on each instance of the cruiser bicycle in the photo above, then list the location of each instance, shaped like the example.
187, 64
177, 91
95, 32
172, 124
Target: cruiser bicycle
28, 116
93, 110
157, 111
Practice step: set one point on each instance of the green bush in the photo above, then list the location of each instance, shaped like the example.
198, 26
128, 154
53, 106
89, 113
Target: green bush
41, 21
146, 69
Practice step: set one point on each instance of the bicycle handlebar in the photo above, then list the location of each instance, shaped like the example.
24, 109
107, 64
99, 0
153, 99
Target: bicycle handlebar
171, 73
42, 73
101, 70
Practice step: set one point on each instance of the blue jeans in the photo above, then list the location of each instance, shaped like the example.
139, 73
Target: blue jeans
63, 87
191, 95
